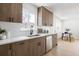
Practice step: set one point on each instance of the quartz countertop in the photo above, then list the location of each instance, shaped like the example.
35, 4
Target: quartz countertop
21, 38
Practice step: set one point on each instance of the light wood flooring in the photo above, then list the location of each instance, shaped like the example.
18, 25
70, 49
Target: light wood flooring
65, 48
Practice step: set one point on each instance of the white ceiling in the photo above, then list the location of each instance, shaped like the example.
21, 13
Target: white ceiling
63, 10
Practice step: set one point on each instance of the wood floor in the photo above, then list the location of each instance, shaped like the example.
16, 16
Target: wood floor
65, 48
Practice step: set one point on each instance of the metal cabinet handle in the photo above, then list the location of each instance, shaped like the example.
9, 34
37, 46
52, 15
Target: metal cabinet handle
21, 43
10, 19
50, 24
39, 44
10, 47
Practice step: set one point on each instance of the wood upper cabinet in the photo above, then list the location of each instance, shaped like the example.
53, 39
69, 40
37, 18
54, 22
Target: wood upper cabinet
45, 17
4, 12
16, 12
11, 12
5, 50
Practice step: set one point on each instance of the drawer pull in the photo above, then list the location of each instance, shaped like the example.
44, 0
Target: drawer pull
39, 44
21, 43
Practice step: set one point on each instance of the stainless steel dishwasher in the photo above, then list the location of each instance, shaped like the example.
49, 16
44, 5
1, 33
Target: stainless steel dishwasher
48, 43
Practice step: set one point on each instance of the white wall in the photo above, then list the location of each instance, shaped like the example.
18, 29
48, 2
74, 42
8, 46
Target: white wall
57, 26
73, 25
15, 28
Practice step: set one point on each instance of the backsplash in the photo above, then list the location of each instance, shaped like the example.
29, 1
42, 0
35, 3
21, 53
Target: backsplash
46, 29
13, 28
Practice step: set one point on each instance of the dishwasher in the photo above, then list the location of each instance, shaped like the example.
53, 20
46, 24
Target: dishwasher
48, 43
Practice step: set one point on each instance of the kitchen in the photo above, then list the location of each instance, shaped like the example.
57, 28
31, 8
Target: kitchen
28, 30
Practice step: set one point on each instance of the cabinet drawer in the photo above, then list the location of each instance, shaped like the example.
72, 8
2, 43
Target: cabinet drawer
19, 43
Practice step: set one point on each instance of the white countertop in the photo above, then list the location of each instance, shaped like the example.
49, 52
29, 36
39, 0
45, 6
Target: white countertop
17, 39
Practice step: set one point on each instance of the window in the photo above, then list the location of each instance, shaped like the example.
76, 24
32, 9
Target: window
29, 18
25, 17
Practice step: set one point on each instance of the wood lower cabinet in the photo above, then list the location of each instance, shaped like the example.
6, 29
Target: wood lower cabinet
54, 40
20, 48
5, 50
40, 44
43, 46
37, 46
31, 47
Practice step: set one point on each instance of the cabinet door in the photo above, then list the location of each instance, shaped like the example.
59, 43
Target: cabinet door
32, 47
54, 40
41, 46
45, 16
19, 49
16, 12
4, 11
36, 46
5, 50
45, 19
11, 12
50, 18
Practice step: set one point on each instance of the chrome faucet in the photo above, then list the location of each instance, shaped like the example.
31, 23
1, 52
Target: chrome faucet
31, 31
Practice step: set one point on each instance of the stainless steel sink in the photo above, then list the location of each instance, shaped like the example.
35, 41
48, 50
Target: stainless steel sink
33, 35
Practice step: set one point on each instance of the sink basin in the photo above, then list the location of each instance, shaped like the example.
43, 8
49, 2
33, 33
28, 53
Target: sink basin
33, 35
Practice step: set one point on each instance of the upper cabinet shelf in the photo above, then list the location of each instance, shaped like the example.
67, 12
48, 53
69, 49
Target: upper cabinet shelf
45, 17
11, 12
